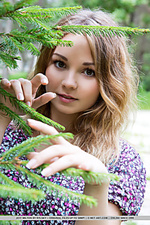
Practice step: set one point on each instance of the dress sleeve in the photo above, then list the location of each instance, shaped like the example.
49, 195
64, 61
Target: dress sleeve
128, 193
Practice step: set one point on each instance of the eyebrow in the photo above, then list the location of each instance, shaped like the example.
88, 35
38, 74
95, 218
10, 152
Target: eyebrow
88, 63
63, 57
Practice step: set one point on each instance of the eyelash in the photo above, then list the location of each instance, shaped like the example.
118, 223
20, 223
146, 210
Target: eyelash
59, 61
88, 69
64, 66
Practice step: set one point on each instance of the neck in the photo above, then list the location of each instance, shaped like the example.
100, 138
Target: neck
65, 120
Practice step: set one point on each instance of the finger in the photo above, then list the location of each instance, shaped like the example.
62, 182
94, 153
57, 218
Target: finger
46, 129
46, 156
16, 86
43, 99
32, 155
27, 90
5, 83
37, 81
60, 164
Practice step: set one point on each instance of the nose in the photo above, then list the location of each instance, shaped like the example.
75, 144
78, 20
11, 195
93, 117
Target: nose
70, 80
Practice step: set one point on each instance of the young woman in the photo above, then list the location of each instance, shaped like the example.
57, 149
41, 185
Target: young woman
88, 88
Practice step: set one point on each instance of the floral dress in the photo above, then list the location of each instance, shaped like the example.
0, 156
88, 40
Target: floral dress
127, 194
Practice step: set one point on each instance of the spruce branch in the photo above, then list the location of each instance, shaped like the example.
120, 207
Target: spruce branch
9, 60
91, 177
104, 30
36, 18
88, 176
28, 110
12, 222
27, 146
34, 29
30, 13
17, 119
10, 160
58, 189
18, 191
42, 184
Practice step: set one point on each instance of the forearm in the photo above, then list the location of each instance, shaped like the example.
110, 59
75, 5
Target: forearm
4, 121
104, 208
101, 194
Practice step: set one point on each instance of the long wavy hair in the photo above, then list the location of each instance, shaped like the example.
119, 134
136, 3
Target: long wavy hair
97, 130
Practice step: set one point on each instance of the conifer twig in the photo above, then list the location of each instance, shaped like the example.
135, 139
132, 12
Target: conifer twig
27, 146
18, 191
91, 177
19, 121
104, 30
28, 110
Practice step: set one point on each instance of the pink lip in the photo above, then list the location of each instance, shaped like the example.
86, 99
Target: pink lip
66, 98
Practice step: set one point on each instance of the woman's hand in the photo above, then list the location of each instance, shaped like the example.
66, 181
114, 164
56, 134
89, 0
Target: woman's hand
25, 90
61, 154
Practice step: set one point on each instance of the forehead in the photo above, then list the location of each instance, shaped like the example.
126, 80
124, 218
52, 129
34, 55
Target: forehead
80, 46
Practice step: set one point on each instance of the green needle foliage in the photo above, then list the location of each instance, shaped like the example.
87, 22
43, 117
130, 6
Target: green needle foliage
10, 160
28, 111
34, 28
104, 30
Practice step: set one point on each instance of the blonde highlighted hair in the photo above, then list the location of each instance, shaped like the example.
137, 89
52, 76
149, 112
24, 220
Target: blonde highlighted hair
97, 130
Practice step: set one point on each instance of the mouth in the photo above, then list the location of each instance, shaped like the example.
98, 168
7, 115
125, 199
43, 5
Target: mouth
66, 99
67, 96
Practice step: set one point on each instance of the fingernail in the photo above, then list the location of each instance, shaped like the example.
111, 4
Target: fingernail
44, 81
7, 81
31, 121
46, 172
28, 103
31, 163
53, 94
20, 96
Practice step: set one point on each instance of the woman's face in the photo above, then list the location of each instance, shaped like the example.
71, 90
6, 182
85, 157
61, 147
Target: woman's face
71, 75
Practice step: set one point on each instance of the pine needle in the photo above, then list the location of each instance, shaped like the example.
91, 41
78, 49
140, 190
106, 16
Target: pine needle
25, 194
19, 121
9, 188
104, 30
91, 177
30, 111
60, 191
9, 222
27, 146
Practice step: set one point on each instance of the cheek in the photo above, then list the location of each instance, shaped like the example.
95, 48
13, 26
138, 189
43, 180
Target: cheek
94, 90
91, 92
51, 79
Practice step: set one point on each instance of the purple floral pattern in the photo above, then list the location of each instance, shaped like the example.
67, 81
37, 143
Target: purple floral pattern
128, 193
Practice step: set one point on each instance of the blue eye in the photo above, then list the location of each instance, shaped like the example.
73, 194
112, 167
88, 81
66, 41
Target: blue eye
59, 64
89, 72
